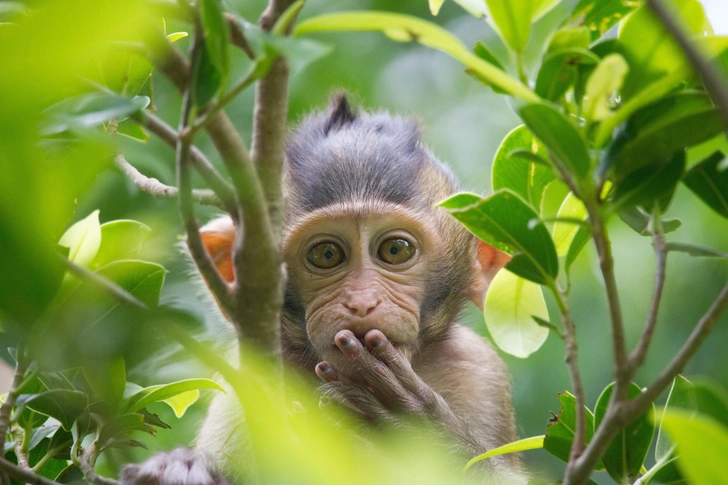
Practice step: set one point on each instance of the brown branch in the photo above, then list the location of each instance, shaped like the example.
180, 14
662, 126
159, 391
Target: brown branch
237, 37
86, 463
714, 79
637, 357
24, 476
21, 368
157, 189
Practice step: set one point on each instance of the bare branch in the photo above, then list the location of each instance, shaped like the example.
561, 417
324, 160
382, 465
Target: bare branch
24, 476
157, 189
21, 368
714, 79
86, 463
637, 357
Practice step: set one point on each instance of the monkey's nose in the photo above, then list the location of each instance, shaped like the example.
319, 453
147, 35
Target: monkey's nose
361, 307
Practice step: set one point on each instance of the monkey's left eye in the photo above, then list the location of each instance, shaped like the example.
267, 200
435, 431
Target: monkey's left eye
325, 255
396, 251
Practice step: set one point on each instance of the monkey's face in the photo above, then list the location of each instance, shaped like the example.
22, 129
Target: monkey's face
360, 267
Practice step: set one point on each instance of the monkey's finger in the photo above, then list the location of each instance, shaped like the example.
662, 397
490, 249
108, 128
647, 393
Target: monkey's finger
326, 372
382, 381
382, 349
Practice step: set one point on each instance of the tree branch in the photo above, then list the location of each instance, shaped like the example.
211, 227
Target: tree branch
157, 189
86, 463
21, 367
24, 476
714, 79
237, 37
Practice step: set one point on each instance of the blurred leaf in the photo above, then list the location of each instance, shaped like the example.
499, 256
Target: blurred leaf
580, 239
91, 110
120, 239
175, 36
405, 27
125, 70
650, 184
711, 400
572, 37
656, 132
559, 136
626, 453
72, 475
154, 420
512, 19
435, 6
83, 239
181, 402
517, 173
682, 395
509, 303
561, 429
709, 183
667, 472
502, 220
217, 36
39, 434
533, 443
604, 81
639, 221
107, 378
702, 443
207, 80
695, 250
159, 393
119, 427
650, 50
600, 15
483, 51
565, 232
559, 71
60, 404
131, 129
142, 279
476, 8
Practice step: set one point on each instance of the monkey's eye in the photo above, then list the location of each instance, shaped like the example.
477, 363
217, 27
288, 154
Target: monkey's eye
325, 255
396, 251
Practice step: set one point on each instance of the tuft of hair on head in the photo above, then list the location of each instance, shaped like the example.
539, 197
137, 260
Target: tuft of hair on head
340, 113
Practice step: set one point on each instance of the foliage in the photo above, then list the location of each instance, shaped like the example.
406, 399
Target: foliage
607, 122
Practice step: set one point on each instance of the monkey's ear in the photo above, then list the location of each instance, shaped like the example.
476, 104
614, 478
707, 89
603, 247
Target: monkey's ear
340, 114
488, 262
218, 237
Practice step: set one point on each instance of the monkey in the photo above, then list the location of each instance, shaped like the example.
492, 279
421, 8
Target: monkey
376, 278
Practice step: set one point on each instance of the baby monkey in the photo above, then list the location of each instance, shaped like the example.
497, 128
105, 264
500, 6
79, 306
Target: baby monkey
377, 276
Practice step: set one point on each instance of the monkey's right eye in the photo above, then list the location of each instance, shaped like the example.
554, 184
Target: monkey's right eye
325, 255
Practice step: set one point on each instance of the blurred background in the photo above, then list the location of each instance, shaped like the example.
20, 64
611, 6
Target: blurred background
463, 123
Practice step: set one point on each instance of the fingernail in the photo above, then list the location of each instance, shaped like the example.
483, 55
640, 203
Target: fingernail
325, 368
345, 341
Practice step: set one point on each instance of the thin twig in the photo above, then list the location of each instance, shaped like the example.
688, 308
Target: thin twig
637, 357
86, 463
22, 455
21, 368
24, 476
713, 78
571, 349
237, 37
157, 189
103, 283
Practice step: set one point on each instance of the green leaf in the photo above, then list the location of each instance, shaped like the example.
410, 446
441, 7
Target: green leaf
125, 71
626, 453
532, 443
107, 378
509, 303
559, 71
656, 132
405, 27
580, 239
120, 239
60, 404
131, 129
572, 37
565, 232
711, 400
159, 393
559, 136
175, 36
83, 239
682, 395
561, 429
709, 183
702, 444
483, 51
90, 111
600, 15
207, 80
650, 50
667, 472
516, 172
640, 222
72, 475
502, 220
695, 250
435, 6
217, 36
181, 402
604, 81
650, 184
142, 279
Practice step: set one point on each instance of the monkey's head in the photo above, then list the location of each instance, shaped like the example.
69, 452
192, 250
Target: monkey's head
364, 244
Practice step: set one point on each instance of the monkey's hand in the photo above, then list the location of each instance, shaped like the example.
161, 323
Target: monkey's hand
181, 466
380, 384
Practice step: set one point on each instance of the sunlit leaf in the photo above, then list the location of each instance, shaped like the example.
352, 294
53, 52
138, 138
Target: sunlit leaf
142, 279
565, 231
682, 395
120, 239
483, 51
572, 37
181, 402
604, 81
578, 242
175, 36
163, 392
131, 129
83, 239
559, 71
627, 451
600, 15
533, 443
509, 304
709, 183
